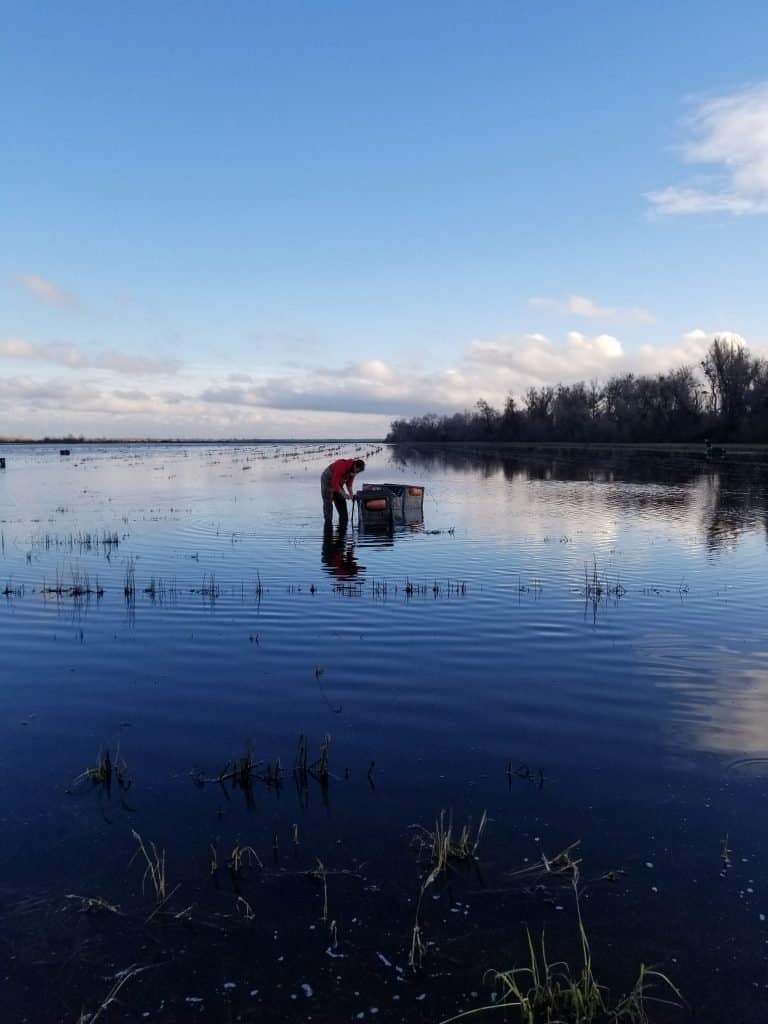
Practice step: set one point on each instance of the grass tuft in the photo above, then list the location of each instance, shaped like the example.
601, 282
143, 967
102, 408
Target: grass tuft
545, 991
155, 868
444, 850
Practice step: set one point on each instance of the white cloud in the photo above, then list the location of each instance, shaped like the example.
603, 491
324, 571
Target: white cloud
45, 290
76, 358
535, 359
689, 350
729, 132
579, 305
515, 364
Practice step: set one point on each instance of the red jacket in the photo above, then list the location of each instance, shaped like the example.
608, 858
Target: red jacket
341, 472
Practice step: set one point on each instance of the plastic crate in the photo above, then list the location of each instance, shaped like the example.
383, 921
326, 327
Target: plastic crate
389, 505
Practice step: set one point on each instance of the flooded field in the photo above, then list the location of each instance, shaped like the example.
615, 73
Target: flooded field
253, 771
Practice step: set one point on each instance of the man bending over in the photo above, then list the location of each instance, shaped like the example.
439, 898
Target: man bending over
336, 488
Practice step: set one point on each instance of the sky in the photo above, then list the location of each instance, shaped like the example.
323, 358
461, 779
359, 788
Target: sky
252, 219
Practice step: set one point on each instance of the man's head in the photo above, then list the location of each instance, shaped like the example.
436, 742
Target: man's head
358, 466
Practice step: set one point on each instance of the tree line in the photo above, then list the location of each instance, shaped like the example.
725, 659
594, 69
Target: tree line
724, 398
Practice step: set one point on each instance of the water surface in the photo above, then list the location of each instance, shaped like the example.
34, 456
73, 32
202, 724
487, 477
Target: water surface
574, 644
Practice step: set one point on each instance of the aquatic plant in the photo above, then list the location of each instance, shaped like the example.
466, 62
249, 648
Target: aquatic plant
444, 849
320, 874
155, 867
303, 769
78, 587
106, 769
122, 978
545, 991
129, 582
240, 856
92, 904
725, 851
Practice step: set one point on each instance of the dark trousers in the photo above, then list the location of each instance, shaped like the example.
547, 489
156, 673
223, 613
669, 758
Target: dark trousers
331, 498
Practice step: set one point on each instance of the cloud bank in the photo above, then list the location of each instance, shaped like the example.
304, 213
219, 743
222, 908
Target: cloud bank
352, 399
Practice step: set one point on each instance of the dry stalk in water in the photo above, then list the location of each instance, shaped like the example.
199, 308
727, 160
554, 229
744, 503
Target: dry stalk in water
155, 868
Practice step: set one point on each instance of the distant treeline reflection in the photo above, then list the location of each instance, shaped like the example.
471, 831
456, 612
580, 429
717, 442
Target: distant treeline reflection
732, 495
724, 399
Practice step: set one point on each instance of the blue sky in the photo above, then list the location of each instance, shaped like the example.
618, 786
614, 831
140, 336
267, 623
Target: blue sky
305, 219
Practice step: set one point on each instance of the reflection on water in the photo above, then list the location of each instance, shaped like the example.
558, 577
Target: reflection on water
339, 554
595, 618
729, 497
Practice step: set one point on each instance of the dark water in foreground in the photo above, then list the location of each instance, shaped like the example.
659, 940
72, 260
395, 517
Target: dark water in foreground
466, 664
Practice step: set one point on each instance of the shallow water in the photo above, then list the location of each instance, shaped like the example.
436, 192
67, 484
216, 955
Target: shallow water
575, 645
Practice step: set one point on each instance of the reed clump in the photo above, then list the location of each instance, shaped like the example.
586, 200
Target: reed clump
304, 769
444, 849
106, 770
243, 771
545, 991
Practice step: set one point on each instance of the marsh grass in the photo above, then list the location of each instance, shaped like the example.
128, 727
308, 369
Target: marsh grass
320, 874
160, 590
129, 582
304, 769
244, 909
444, 849
155, 867
524, 771
78, 587
563, 863
242, 856
209, 588
111, 997
107, 769
725, 852
242, 772
93, 904
545, 991
597, 588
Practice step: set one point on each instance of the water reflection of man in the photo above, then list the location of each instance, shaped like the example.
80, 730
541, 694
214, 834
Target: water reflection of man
339, 554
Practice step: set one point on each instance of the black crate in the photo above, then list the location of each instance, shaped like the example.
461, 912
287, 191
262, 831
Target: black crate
390, 505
